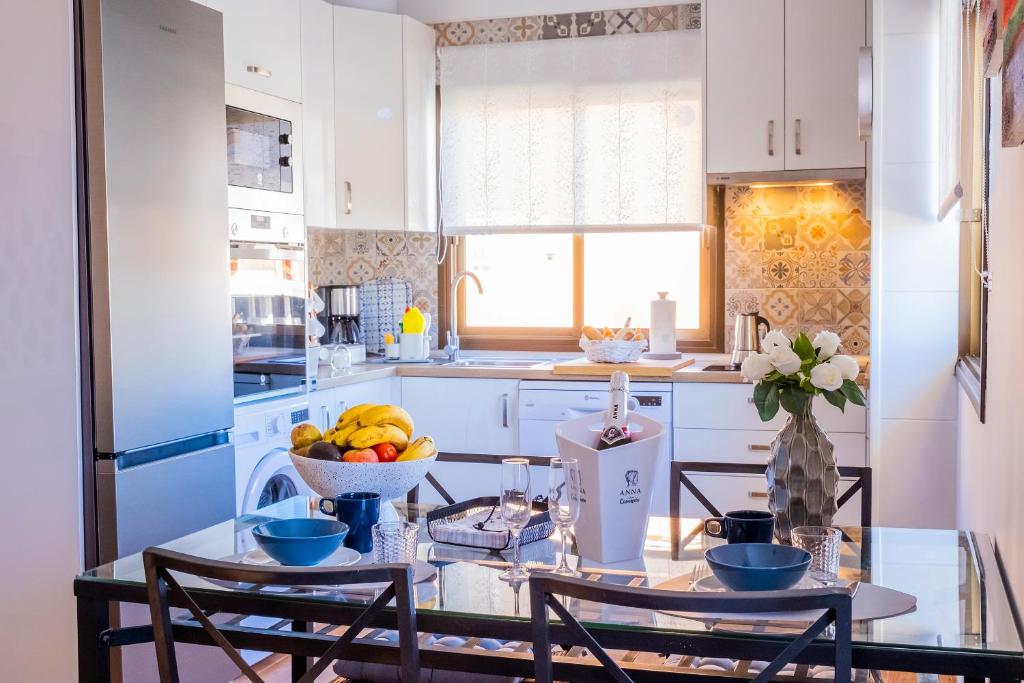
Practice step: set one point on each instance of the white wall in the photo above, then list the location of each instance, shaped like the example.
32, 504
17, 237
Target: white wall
991, 455
435, 11
914, 283
40, 506
376, 5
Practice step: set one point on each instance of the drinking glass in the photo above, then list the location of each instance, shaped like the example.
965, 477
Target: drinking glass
394, 542
824, 544
515, 509
564, 503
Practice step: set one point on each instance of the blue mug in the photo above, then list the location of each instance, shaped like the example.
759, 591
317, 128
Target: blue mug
360, 510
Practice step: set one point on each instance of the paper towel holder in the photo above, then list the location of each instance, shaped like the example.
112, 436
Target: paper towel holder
673, 355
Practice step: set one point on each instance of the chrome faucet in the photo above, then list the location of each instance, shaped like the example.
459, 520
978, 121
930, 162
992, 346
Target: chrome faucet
452, 348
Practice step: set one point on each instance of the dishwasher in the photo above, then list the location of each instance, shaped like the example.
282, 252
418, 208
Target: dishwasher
543, 404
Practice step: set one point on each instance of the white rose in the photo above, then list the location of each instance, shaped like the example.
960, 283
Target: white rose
827, 377
785, 360
827, 344
848, 366
773, 339
756, 366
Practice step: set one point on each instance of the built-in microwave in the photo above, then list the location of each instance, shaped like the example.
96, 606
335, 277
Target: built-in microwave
264, 142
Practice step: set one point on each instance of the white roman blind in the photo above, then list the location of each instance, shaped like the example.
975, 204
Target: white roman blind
573, 135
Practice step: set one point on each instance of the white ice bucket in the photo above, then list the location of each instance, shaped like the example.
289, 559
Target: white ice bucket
617, 485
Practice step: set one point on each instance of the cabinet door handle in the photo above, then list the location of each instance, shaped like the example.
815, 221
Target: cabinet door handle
750, 400
258, 70
758, 447
504, 411
757, 494
771, 137
348, 198
342, 407
325, 418
796, 137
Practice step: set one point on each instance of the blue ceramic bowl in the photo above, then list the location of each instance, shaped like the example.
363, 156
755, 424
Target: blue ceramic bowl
757, 566
300, 542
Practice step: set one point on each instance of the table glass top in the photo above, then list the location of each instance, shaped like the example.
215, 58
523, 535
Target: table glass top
961, 599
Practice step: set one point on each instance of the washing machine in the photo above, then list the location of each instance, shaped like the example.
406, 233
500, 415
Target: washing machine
264, 473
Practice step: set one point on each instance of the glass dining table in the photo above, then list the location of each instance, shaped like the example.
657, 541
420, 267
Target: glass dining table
964, 622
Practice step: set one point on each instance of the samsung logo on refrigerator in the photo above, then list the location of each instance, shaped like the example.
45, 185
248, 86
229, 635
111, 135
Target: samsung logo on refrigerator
168, 29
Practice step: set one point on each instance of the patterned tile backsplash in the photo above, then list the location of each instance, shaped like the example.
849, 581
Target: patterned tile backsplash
341, 257
571, 25
800, 255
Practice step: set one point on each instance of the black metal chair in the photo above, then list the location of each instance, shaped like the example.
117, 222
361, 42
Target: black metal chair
473, 458
679, 479
163, 588
545, 590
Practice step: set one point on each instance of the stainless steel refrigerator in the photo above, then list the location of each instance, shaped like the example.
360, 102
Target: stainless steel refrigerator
157, 365
160, 313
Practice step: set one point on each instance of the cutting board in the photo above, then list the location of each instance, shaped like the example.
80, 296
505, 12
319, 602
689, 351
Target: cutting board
641, 368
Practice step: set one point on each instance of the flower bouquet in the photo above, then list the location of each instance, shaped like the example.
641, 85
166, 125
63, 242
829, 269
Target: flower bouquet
802, 474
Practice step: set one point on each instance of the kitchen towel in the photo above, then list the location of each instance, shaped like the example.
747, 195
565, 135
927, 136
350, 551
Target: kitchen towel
382, 304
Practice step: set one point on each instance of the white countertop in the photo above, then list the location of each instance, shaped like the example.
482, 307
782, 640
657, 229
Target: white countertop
328, 378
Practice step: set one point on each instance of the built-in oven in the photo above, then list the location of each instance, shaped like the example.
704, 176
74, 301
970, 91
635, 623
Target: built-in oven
264, 142
268, 303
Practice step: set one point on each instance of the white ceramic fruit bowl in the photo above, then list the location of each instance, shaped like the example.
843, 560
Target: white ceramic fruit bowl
329, 478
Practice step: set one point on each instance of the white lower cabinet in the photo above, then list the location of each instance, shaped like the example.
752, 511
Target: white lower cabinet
326, 405
718, 423
466, 416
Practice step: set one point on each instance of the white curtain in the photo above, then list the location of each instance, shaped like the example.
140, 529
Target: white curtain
574, 134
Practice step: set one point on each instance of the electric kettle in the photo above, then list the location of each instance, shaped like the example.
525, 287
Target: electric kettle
747, 337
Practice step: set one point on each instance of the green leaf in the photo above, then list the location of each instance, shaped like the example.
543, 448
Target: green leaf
803, 347
852, 392
836, 398
761, 390
793, 399
769, 408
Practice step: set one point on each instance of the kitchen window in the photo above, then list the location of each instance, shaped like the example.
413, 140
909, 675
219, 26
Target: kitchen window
572, 184
966, 137
539, 290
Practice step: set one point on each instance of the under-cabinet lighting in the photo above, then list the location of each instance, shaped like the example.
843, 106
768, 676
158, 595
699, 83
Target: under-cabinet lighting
795, 183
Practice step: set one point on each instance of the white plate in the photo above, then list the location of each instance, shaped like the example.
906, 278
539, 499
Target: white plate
342, 557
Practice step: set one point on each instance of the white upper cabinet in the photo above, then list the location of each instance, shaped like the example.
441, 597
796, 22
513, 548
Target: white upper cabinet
746, 126
318, 113
782, 84
823, 38
261, 45
419, 68
369, 120
384, 114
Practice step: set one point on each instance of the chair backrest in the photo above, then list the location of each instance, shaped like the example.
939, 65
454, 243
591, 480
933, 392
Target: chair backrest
679, 480
163, 588
545, 590
472, 458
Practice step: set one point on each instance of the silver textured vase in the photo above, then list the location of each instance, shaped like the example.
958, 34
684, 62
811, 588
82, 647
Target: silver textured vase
802, 476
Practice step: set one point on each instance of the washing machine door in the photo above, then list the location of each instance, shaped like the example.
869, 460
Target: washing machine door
273, 479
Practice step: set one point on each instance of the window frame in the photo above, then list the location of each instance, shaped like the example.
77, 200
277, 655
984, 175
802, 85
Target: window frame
707, 338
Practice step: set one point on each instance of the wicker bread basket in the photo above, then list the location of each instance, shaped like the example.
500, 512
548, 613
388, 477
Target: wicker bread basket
612, 351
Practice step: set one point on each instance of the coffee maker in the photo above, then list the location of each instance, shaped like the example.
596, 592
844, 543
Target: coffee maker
342, 319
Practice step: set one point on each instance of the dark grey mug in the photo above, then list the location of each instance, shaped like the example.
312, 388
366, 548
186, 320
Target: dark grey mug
742, 526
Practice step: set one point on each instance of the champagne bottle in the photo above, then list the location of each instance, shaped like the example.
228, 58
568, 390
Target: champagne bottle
616, 426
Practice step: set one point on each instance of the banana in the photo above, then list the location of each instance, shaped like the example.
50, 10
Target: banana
364, 437
353, 413
423, 447
340, 436
387, 414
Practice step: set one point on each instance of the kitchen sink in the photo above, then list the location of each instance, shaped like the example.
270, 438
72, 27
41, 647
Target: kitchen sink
496, 363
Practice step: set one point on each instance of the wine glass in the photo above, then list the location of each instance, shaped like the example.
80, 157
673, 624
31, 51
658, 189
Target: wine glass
564, 503
515, 509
